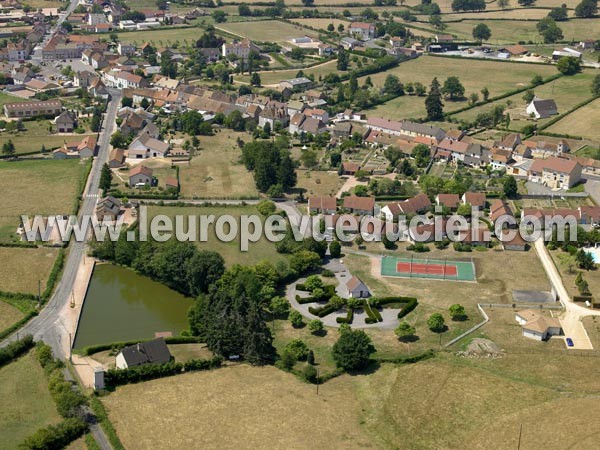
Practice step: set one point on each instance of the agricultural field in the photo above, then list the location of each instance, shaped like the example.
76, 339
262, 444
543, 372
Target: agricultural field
22, 268
8, 315
321, 24
35, 136
583, 122
216, 171
47, 187
266, 30
26, 402
567, 92
272, 78
164, 37
474, 75
318, 183
230, 251
511, 31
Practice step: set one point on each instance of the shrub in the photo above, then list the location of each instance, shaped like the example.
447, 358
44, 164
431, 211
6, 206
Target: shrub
298, 348
327, 273
322, 311
55, 436
296, 318
305, 300
348, 319
315, 326
286, 361
15, 349
436, 323
117, 377
310, 374
353, 350
419, 247
311, 357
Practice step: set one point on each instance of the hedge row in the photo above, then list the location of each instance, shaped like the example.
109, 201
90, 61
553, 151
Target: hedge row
371, 317
570, 111
412, 304
53, 278
20, 244
15, 326
376, 313
117, 377
105, 423
90, 350
348, 319
302, 287
15, 349
408, 359
305, 300
55, 436
322, 311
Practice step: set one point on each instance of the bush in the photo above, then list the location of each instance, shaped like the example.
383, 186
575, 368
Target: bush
353, 350
436, 323
310, 374
419, 247
348, 319
322, 311
296, 318
298, 349
412, 304
327, 273
118, 377
193, 365
315, 326
460, 247
55, 436
15, 349
305, 300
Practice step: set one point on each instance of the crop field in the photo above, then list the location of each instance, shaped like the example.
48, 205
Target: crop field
583, 122
216, 172
46, 187
26, 402
266, 30
510, 31
230, 251
567, 92
474, 75
239, 407
22, 268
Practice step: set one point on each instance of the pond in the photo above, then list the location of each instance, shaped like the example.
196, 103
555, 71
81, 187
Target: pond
121, 305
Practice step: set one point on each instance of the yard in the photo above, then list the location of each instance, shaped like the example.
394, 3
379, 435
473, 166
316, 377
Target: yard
473, 74
266, 30
582, 122
567, 92
181, 353
22, 268
26, 402
35, 136
230, 251
47, 187
216, 172
318, 183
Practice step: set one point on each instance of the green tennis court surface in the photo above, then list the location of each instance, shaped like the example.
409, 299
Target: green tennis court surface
439, 269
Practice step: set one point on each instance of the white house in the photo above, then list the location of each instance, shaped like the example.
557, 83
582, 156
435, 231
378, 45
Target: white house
536, 326
357, 289
542, 109
145, 146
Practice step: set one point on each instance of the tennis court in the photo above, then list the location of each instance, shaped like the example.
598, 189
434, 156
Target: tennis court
393, 266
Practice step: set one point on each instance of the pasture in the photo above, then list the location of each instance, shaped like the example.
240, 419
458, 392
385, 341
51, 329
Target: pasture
266, 30
47, 187
164, 37
322, 24
216, 171
498, 77
272, 78
26, 402
22, 268
567, 92
582, 122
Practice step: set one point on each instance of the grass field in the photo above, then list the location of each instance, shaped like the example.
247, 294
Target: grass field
583, 122
7, 98
321, 24
266, 30
8, 315
26, 402
511, 31
47, 187
181, 353
22, 268
258, 251
217, 172
164, 37
318, 183
35, 136
274, 77
240, 407
567, 92
498, 77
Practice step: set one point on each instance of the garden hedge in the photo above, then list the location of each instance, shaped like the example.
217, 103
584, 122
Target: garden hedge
15, 349
412, 304
322, 311
348, 319
55, 436
90, 350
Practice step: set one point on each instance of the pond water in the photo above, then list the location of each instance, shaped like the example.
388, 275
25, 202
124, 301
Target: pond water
121, 305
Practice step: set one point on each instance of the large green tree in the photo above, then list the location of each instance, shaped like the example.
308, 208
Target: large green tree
482, 32
433, 102
586, 8
353, 350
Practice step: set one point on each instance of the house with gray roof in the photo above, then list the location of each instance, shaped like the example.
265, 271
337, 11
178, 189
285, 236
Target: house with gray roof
150, 352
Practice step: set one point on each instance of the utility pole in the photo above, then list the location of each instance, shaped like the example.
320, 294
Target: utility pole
70, 348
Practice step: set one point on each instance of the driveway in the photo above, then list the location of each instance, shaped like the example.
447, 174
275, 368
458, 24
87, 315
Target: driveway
571, 319
342, 275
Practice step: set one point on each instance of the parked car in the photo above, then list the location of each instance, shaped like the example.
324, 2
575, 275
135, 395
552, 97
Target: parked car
569, 342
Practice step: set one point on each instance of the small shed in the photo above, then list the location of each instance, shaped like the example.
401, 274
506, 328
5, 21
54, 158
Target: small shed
357, 289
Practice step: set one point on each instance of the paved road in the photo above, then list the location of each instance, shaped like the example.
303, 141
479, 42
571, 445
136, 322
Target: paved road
36, 57
48, 325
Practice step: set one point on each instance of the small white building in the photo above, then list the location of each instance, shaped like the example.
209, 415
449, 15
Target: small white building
536, 326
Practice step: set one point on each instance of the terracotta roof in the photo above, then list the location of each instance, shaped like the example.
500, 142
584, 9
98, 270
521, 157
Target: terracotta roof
359, 203
448, 200
554, 164
323, 203
140, 169
475, 199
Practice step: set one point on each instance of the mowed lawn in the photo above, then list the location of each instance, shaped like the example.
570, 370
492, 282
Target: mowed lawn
498, 77
237, 407
22, 268
46, 187
36, 135
583, 122
26, 402
567, 92
7, 98
322, 24
230, 251
318, 183
273, 77
266, 30
216, 172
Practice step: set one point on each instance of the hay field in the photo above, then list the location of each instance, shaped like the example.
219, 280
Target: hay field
583, 122
266, 30
8, 315
21, 268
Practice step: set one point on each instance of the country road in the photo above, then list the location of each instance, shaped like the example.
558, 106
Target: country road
48, 325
